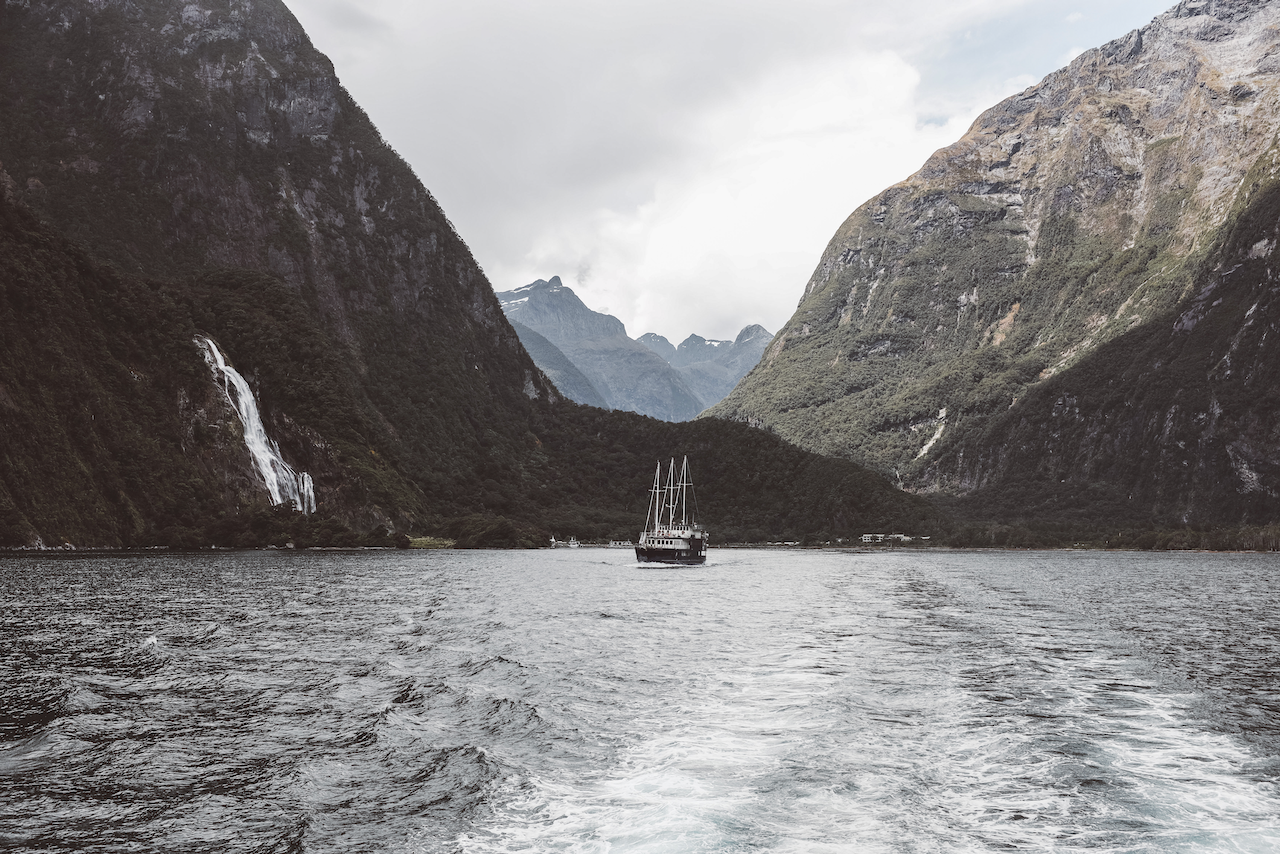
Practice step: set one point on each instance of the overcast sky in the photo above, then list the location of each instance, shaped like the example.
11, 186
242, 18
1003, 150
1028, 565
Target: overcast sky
681, 164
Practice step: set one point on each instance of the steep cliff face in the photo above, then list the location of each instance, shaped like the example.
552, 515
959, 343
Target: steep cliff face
1069, 217
174, 138
1175, 422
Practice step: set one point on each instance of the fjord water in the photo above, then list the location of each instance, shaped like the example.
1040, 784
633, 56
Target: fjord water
572, 700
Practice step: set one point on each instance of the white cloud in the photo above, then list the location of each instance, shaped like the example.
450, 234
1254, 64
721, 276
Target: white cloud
1070, 54
1074, 17
690, 152
730, 235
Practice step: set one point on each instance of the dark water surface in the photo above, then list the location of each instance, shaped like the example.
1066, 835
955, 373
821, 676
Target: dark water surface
574, 701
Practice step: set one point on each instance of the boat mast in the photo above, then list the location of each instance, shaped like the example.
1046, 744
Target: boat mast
671, 494
654, 510
684, 485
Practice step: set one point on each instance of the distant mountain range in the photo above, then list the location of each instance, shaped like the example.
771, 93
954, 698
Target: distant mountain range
591, 360
712, 368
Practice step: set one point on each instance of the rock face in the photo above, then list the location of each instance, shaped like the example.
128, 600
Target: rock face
712, 368
626, 374
962, 326
659, 345
570, 381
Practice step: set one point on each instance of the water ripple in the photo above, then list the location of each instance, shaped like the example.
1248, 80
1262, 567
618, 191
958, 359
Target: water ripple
573, 701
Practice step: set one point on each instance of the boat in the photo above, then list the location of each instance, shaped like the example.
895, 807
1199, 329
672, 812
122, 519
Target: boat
573, 542
674, 535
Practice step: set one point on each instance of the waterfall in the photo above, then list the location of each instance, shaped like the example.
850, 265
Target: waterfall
283, 483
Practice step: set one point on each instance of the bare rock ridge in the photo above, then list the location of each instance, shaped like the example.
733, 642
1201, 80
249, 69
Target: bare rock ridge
1071, 220
626, 374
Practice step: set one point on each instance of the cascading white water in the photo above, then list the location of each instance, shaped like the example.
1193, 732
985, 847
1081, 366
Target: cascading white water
283, 483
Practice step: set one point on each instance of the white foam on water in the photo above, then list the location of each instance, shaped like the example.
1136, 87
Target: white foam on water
1095, 759
916, 732
691, 785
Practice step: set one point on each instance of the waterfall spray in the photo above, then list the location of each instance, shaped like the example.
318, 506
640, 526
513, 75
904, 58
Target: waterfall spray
283, 483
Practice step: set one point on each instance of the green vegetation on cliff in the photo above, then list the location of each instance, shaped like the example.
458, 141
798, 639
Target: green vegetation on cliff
92, 369
1173, 423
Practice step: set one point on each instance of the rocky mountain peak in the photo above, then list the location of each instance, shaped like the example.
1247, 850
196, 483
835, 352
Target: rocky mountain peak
1222, 10
626, 374
754, 332
541, 286
555, 311
695, 348
658, 344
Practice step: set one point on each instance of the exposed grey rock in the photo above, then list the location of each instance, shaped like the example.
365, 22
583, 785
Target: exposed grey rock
558, 367
711, 367
706, 369
658, 344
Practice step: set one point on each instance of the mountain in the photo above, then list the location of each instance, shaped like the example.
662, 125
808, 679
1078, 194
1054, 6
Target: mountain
712, 368
626, 373
1065, 313
172, 139
173, 173
622, 371
568, 380
659, 345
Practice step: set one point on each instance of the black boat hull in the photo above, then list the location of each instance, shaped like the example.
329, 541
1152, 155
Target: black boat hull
680, 556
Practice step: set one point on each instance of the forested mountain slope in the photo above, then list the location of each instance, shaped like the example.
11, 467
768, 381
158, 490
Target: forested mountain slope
1073, 221
172, 138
